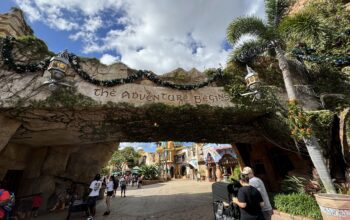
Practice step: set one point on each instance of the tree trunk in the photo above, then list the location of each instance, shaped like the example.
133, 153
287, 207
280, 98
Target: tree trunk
319, 162
311, 143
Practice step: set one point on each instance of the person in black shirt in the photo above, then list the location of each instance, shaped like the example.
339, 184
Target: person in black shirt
249, 200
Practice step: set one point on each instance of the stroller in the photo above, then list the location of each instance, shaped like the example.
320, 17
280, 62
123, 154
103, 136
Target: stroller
76, 205
223, 207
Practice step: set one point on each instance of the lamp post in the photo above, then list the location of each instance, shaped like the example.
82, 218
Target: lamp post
58, 67
253, 83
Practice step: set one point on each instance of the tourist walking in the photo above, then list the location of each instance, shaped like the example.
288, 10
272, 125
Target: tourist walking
122, 183
95, 187
249, 200
139, 181
259, 185
110, 191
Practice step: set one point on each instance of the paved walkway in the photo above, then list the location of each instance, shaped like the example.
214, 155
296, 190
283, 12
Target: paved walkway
173, 200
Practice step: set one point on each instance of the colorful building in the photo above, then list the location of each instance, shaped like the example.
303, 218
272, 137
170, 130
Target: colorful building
220, 161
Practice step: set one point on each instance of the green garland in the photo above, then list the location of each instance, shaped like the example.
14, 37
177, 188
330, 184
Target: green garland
307, 54
6, 54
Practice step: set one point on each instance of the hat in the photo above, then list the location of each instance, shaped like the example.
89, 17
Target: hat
247, 170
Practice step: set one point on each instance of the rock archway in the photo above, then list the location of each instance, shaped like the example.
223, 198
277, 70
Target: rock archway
71, 132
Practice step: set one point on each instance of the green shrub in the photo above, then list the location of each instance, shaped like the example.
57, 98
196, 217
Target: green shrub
297, 204
150, 172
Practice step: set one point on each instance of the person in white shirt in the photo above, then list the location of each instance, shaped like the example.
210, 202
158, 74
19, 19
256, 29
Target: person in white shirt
110, 192
95, 187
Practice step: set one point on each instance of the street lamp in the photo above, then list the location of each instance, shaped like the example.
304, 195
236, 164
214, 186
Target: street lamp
58, 67
253, 83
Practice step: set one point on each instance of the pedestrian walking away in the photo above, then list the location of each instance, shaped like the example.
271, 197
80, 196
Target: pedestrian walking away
249, 200
95, 187
122, 183
259, 185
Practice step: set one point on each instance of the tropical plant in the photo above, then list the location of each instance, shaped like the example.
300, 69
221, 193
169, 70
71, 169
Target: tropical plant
297, 204
295, 184
267, 38
150, 172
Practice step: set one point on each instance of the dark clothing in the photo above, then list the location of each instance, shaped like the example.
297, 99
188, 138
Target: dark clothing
116, 184
251, 196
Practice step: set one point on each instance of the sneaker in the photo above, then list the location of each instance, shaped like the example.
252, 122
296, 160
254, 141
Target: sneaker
124, 196
106, 213
90, 218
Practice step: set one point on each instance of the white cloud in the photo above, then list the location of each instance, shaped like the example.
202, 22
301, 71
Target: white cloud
159, 35
108, 59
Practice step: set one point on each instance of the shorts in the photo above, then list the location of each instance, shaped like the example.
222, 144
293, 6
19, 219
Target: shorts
91, 201
110, 193
123, 187
35, 209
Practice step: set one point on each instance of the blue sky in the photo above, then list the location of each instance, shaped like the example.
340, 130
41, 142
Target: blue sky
151, 146
160, 35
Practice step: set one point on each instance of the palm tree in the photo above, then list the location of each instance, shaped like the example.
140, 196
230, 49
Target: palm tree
266, 38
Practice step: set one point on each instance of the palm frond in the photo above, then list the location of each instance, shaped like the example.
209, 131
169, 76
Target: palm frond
302, 26
276, 10
249, 49
245, 25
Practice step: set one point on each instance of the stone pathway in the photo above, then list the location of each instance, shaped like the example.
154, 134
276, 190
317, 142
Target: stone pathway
173, 200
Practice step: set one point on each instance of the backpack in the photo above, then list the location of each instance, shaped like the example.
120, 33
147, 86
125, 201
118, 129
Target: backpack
10, 203
122, 182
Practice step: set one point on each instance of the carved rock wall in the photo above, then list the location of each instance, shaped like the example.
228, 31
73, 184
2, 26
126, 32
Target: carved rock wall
45, 168
13, 24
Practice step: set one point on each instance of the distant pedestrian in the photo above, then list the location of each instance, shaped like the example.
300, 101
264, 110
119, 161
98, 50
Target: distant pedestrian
110, 188
122, 183
115, 185
95, 187
259, 185
249, 200
139, 181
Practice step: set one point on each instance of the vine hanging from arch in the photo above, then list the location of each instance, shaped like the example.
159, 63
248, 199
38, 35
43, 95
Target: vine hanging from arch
6, 54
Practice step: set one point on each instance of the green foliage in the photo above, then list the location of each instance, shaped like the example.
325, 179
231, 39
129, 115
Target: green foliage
301, 26
276, 10
34, 45
245, 25
298, 204
120, 157
150, 172
321, 123
249, 50
65, 97
299, 122
236, 173
105, 171
323, 26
